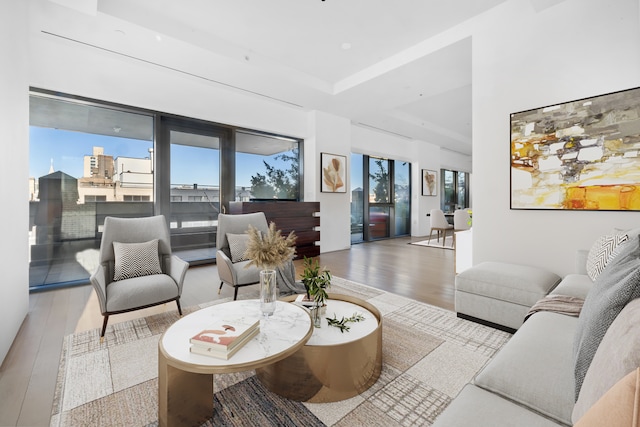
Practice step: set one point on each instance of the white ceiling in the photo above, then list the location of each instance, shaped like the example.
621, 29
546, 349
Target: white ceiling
292, 51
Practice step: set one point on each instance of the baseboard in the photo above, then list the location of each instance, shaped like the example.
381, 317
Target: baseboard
486, 323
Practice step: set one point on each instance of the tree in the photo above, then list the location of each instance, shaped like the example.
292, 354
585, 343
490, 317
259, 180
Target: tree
278, 183
381, 178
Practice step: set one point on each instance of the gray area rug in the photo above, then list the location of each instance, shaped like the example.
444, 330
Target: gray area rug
428, 356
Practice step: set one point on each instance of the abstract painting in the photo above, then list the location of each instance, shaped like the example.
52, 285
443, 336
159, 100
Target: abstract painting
333, 173
429, 182
578, 155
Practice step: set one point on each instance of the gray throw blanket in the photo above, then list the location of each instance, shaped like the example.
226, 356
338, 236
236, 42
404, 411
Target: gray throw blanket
286, 280
563, 304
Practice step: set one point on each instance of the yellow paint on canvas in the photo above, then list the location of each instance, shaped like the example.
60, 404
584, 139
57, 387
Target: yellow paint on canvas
603, 197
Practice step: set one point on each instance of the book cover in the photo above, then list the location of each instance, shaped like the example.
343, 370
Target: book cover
225, 333
219, 353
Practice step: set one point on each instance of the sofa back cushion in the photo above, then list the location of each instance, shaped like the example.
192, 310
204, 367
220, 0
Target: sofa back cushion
618, 284
617, 355
620, 406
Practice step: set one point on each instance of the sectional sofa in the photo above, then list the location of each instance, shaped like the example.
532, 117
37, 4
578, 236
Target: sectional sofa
562, 370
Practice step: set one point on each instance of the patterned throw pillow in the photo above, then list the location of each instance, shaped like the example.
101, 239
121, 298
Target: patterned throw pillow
601, 252
136, 259
616, 286
237, 246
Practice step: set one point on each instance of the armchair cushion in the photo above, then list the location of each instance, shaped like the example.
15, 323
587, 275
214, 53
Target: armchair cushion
136, 259
138, 292
237, 246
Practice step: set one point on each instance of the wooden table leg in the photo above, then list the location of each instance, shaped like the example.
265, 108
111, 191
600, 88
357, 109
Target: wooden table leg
184, 398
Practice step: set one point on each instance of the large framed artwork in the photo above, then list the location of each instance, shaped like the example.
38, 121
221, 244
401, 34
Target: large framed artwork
429, 183
333, 173
578, 155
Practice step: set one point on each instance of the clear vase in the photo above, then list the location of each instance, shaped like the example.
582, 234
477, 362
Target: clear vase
268, 292
316, 315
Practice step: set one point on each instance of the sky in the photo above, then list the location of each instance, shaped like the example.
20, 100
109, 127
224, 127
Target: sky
190, 165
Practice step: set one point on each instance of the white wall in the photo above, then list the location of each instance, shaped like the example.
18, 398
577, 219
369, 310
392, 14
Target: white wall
14, 170
331, 134
525, 60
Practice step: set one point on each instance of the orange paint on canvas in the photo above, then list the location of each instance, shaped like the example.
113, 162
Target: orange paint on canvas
603, 197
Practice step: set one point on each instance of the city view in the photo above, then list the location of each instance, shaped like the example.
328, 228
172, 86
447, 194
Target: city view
78, 178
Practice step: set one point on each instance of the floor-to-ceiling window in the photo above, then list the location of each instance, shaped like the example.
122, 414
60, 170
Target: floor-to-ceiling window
357, 198
380, 198
402, 197
455, 190
267, 167
90, 159
86, 162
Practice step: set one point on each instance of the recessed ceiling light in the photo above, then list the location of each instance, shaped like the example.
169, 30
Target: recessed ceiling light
158, 37
346, 46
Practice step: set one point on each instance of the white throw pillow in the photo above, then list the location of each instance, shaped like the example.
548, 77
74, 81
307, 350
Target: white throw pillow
602, 251
238, 246
136, 259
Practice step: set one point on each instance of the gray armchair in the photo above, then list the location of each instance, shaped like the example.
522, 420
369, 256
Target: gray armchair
237, 273
137, 269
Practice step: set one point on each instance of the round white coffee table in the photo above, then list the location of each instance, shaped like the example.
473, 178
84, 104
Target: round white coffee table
185, 379
332, 365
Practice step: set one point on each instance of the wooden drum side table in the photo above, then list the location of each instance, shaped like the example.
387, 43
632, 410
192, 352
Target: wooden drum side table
185, 379
331, 366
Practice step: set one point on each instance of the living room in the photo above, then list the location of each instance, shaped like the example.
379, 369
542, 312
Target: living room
525, 54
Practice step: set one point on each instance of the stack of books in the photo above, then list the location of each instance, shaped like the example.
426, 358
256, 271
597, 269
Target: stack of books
224, 338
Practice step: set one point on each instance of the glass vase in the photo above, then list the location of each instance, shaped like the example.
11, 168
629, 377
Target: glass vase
316, 315
268, 292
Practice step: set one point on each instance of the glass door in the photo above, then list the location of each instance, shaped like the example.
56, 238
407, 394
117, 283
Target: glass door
402, 197
380, 203
194, 190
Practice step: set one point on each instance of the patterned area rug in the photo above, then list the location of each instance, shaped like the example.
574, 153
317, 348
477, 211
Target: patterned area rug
435, 243
428, 356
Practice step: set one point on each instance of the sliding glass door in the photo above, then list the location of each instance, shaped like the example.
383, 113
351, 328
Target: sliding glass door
380, 198
91, 159
194, 190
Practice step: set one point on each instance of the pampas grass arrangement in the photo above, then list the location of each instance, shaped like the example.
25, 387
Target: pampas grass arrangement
271, 249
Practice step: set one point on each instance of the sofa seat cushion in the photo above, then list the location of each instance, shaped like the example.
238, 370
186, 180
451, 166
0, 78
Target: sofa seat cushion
535, 368
479, 408
515, 283
140, 291
574, 285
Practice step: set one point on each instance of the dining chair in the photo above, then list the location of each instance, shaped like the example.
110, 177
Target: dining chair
461, 220
439, 224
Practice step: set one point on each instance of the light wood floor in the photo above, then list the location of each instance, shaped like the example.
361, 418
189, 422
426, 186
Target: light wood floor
28, 374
